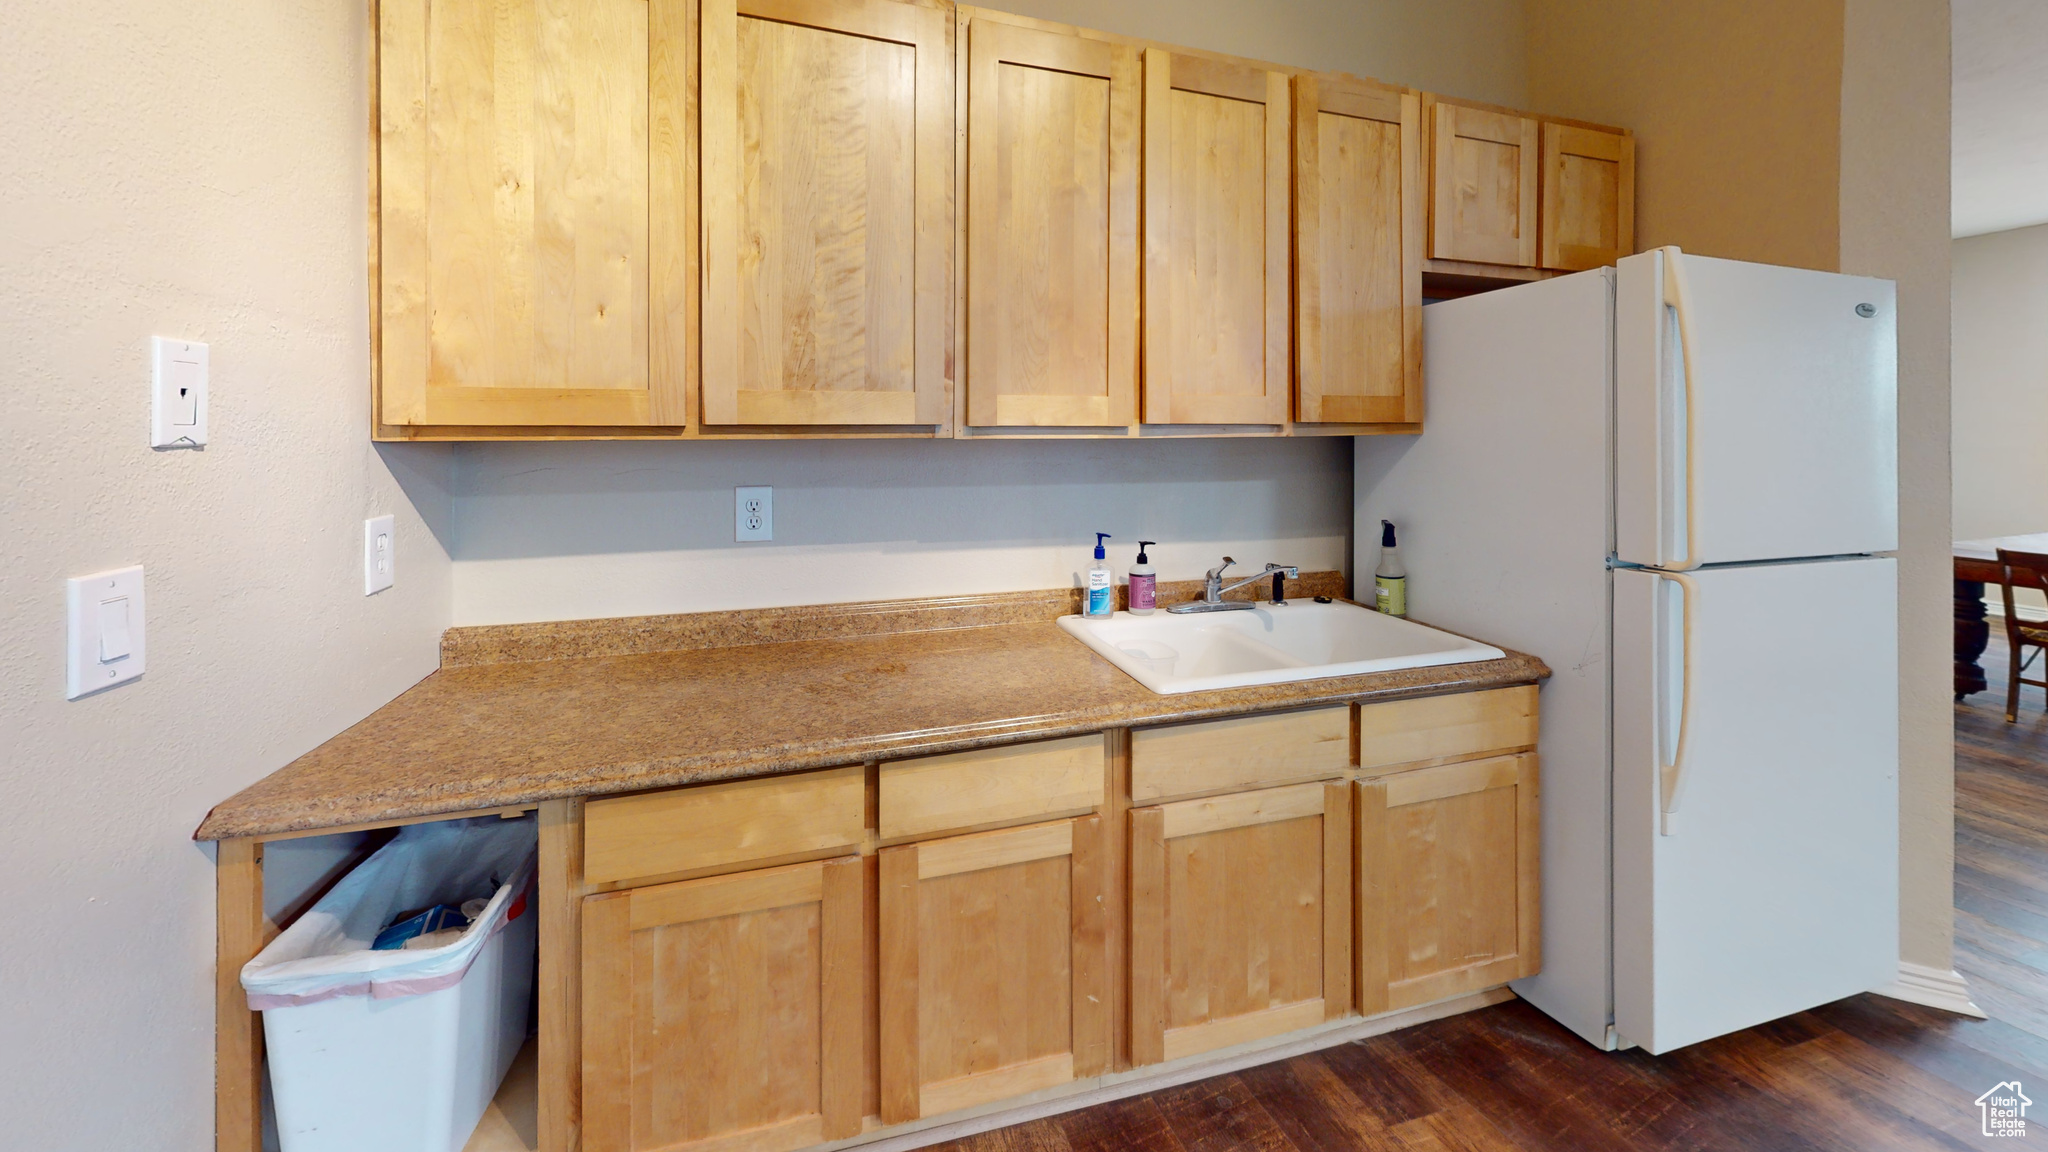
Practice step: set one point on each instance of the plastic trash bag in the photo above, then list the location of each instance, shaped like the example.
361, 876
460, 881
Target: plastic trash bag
326, 953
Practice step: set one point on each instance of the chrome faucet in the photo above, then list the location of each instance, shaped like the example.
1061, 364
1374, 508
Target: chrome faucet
1213, 589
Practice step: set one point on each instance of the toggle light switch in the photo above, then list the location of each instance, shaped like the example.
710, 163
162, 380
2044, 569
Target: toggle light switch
105, 613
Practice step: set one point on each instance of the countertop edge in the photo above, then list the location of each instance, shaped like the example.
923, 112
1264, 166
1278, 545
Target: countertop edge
735, 764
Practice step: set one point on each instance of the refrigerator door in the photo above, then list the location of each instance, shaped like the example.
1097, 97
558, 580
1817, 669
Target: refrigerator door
1771, 885
1794, 452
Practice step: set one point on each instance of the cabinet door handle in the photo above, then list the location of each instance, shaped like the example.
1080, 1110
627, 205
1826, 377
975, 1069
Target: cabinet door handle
1678, 298
1671, 777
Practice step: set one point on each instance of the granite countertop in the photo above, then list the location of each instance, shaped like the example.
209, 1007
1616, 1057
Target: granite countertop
488, 735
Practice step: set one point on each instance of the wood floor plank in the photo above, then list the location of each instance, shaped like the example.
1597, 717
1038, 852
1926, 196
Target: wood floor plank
1221, 1114
1313, 1106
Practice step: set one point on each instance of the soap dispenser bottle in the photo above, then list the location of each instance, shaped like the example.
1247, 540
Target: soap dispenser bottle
1390, 579
1144, 582
1100, 600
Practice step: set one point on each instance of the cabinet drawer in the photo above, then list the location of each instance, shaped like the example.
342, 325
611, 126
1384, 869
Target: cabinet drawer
1243, 752
990, 786
718, 824
1443, 727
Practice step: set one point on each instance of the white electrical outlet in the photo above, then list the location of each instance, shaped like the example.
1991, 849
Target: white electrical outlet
380, 554
753, 514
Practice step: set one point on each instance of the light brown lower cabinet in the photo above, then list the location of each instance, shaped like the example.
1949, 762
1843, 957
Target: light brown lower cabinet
1448, 880
725, 1013
1240, 918
994, 976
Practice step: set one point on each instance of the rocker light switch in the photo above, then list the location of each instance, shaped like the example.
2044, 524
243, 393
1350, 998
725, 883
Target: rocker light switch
106, 631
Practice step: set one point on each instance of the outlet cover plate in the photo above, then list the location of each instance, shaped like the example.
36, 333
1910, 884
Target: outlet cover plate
177, 393
753, 514
380, 554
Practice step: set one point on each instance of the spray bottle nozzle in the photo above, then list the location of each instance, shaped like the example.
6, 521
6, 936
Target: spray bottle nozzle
1099, 538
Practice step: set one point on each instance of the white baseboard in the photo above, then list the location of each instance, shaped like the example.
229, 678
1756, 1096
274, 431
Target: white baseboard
1919, 984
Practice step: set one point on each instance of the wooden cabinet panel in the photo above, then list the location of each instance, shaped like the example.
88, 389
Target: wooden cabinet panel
1357, 252
1589, 197
715, 825
990, 786
1240, 918
725, 1013
1216, 242
1482, 185
1238, 753
1446, 727
1052, 227
993, 966
530, 269
827, 162
1448, 881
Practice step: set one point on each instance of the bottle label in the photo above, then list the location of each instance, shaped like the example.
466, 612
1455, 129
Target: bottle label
1390, 594
1101, 593
1143, 590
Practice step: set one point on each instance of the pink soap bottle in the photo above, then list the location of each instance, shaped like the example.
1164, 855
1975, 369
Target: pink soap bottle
1144, 582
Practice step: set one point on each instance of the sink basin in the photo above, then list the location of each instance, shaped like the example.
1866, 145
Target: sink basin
1299, 640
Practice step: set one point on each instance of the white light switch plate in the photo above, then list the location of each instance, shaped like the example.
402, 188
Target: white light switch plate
753, 514
105, 631
380, 554
177, 393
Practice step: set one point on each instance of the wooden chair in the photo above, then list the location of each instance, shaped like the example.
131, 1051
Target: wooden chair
2021, 570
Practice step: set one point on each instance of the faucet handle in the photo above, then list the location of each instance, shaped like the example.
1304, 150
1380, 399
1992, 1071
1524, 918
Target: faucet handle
1217, 571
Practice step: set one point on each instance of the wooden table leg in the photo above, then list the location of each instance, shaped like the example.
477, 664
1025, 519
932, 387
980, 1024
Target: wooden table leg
1972, 634
242, 931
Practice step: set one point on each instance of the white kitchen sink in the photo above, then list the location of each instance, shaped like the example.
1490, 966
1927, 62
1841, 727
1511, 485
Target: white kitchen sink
1299, 640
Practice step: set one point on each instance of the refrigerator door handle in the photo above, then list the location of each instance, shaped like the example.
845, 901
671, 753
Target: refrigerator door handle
1671, 777
1678, 298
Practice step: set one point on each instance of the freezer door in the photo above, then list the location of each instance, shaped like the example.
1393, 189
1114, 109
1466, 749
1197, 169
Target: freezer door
1795, 453
1772, 884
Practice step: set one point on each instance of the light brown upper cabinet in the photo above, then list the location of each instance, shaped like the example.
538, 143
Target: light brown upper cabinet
1216, 241
1051, 226
1358, 252
1482, 185
1589, 197
533, 233
827, 190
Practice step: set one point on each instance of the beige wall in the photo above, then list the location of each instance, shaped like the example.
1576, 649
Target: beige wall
1895, 223
192, 170
1736, 109
2000, 400
1816, 135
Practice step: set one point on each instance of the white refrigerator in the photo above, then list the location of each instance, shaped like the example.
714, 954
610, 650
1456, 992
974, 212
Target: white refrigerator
1675, 481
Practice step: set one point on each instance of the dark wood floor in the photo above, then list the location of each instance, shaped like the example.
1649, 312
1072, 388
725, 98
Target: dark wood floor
1862, 1074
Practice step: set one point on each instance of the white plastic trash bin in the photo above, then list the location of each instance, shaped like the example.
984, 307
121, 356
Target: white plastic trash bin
401, 1051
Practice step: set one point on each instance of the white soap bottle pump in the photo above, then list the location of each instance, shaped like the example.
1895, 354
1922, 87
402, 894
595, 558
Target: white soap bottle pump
1099, 601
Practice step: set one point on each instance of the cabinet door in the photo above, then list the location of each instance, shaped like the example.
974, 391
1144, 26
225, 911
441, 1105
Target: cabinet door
1216, 245
1448, 870
1483, 186
1240, 918
828, 146
725, 1012
1357, 252
1589, 197
530, 240
992, 958
1052, 228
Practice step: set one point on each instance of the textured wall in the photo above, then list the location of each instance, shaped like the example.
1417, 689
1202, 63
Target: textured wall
1895, 223
1736, 108
196, 170
2000, 401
